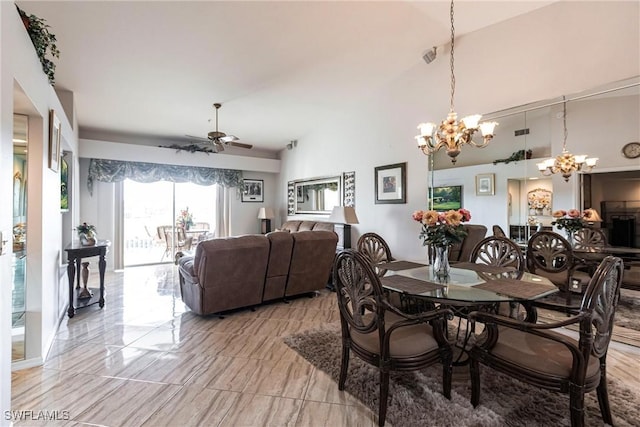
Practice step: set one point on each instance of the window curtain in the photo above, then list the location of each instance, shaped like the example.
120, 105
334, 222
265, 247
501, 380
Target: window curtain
116, 171
223, 213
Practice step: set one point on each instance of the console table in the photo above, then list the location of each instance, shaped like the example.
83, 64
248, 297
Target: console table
75, 253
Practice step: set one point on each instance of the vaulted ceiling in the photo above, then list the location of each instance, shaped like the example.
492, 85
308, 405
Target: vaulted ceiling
153, 69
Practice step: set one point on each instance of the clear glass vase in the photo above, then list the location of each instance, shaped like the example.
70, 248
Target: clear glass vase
441, 267
570, 237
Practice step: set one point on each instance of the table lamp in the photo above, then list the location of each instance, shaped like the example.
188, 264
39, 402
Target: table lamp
344, 216
265, 215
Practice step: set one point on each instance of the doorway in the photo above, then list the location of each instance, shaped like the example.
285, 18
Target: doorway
161, 218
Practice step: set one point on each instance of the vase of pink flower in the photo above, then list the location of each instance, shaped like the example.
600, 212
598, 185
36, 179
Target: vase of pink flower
570, 221
440, 230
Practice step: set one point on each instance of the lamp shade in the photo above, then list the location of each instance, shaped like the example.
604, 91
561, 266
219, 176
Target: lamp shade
591, 215
344, 215
265, 213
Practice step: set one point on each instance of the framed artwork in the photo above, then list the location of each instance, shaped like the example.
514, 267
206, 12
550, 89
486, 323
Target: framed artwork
447, 198
291, 201
64, 185
539, 201
253, 190
349, 181
54, 141
485, 184
390, 183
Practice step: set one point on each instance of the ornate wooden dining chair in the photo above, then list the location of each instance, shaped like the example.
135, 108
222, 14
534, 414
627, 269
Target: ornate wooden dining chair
375, 249
536, 354
589, 237
502, 252
550, 255
499, 252
382, 335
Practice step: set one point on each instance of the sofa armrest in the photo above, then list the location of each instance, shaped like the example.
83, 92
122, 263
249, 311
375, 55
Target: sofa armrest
185, 267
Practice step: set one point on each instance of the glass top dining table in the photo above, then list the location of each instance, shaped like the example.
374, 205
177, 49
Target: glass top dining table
467, 284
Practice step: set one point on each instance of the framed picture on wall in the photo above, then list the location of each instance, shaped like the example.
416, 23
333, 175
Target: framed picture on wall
485, 184
446, 198
54, 141
253, 190
391, 183
64, 185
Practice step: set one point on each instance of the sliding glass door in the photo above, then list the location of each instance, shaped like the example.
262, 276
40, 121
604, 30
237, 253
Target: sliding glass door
162, 218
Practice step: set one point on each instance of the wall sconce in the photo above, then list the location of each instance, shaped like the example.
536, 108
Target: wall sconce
344, 216
265, 215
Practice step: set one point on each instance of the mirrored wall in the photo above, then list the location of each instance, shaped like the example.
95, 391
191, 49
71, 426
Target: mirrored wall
599, 123
19, 250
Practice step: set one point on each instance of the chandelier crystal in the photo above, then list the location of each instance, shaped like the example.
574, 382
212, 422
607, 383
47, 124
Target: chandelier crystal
452, 133
566, 163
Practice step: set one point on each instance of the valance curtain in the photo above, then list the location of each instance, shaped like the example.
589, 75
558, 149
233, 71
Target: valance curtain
116, 170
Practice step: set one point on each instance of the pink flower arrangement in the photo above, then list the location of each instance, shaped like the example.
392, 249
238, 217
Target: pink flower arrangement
442, 228
573, 220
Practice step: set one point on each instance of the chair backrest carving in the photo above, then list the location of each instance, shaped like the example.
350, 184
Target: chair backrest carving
600, 301
359, 293
550, 252
499, 252
589, 238
373, 246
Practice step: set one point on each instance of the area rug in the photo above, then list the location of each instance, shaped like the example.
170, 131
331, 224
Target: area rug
415, 398
627, 313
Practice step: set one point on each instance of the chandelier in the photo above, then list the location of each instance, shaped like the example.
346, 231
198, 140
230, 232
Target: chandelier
451, 133
566, 163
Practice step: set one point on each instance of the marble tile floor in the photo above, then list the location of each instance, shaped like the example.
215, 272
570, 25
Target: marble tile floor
145, 360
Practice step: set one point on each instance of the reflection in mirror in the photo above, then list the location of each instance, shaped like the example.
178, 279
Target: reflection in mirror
530, 203
18, 294
317, 196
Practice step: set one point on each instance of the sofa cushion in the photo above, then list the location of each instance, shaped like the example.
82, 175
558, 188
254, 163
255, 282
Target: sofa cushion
325, 226
306, 225
291, 225
231, 273
281, 245
311, 261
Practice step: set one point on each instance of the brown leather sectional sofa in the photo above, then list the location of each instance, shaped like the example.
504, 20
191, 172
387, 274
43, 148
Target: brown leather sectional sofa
234, 272
297, 225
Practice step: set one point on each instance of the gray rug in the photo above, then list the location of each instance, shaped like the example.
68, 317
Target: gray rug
627, 313
416, 397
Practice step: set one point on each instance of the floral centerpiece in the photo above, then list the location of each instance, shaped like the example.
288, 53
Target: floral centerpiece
185, 219
573, 220
87, 234
441, 230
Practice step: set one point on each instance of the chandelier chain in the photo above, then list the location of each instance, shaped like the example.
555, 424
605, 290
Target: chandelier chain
564, 123
453, 77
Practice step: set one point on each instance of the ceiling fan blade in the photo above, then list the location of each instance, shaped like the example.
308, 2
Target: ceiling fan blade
241, 145
197, 137
228, 138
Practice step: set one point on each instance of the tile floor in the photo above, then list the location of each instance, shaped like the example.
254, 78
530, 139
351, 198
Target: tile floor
145, 360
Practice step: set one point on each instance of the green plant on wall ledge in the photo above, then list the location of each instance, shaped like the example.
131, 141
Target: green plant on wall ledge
43, 40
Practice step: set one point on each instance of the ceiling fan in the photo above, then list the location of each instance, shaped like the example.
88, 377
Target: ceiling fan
220, 139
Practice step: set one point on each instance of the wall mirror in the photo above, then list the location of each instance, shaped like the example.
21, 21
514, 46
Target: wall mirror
317, 195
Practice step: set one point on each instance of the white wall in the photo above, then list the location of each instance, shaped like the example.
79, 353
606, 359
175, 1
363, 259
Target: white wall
20, 66
565, 48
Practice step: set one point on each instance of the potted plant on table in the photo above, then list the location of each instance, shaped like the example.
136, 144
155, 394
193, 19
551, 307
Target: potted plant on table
87, 234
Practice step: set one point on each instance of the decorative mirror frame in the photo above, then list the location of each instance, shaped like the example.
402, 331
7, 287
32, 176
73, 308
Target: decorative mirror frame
294, 192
